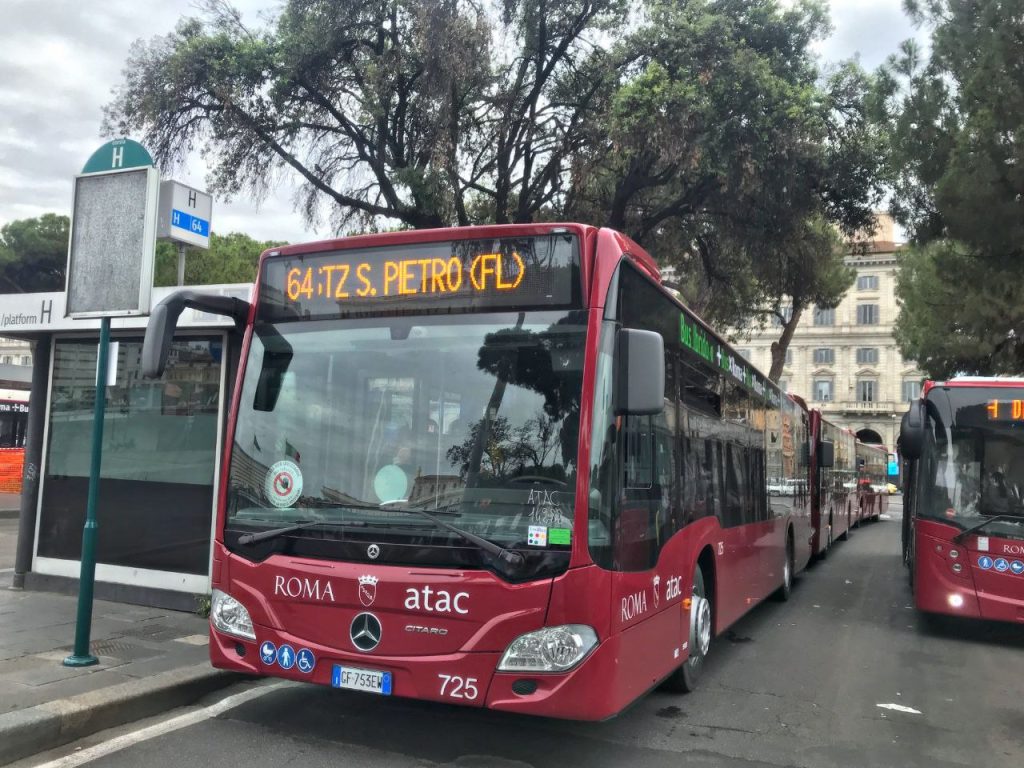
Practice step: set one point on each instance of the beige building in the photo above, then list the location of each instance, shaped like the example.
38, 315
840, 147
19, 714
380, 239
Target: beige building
14, 352
844, 360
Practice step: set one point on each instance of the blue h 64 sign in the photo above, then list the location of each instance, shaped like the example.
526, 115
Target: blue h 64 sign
184, 214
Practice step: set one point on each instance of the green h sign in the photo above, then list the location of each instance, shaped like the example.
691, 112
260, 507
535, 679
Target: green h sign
116, 155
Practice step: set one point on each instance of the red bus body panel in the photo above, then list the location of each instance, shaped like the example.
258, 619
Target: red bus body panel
832, 494
641, 618
872, 499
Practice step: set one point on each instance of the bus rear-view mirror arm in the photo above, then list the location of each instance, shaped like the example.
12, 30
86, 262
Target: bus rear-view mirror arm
163, 321
640, 372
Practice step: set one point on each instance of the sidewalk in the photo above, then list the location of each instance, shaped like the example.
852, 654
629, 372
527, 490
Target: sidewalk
151, 660
10, 504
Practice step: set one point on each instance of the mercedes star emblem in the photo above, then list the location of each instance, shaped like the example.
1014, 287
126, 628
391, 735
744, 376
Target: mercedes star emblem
373, 551
365, 632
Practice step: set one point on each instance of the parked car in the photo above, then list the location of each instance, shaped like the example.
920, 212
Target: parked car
892, 488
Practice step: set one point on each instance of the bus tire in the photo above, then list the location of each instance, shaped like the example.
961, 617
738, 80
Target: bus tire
687, 676
783, 593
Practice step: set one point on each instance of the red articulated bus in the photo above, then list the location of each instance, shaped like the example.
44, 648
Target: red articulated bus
963, 524
833, 483
872, 480
493, 466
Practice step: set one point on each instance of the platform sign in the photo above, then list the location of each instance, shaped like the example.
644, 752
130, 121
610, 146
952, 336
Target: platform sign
113, 233
184, 214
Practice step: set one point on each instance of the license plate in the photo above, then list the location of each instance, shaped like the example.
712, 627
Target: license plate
361, 679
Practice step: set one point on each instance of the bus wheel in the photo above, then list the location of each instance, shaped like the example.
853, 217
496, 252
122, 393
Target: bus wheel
786, 590
685, 679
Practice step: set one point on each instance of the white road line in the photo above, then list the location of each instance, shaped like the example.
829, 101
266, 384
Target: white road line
159, 729
899, 708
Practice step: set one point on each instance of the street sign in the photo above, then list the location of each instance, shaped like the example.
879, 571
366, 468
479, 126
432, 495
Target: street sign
184, 214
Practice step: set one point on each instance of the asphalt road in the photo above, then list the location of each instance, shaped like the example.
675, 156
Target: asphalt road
796, 684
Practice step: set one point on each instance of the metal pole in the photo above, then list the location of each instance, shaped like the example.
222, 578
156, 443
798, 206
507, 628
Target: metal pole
83, 627
181, 264
30, 479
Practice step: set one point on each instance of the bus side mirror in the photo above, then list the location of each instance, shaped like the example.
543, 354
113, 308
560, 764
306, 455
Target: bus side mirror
639, 372
826, 454
912, 430
163, 321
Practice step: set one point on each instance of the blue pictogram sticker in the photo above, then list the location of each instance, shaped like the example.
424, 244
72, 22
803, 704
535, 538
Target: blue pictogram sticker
286, 657
305, 660
1017, 567
1002, 565
984, 562
268, 652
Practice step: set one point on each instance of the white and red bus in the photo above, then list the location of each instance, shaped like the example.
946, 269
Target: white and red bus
872, 481
963, 532
494, 466
833, 483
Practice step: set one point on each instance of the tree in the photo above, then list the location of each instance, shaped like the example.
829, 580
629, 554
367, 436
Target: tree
231, 258
34, 254
386, 109
707, 132
953, 122
733, 158
953, 322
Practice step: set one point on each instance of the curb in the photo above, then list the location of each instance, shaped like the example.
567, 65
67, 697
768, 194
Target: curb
35, 729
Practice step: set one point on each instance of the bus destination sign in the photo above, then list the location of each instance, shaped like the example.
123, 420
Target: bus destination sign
462, 274
1005, 410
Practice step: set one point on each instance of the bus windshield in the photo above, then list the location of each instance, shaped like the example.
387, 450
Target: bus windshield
974, 464
474, 417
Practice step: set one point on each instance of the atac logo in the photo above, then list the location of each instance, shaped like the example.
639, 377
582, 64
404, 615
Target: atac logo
367, 590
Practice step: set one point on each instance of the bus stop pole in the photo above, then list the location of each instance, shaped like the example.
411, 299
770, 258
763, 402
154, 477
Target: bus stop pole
83, 625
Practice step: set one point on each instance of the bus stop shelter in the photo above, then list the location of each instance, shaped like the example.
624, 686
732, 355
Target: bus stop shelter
161, 440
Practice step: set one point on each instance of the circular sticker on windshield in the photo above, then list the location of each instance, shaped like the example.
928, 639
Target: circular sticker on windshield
391, 483
283, 484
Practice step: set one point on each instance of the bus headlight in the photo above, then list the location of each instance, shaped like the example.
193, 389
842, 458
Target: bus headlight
552, 649
230, 616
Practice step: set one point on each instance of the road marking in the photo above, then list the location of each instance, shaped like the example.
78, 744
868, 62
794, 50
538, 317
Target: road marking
159, 729
899, 708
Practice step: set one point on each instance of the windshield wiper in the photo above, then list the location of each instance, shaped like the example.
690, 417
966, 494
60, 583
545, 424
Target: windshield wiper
959, 538
509, 556
251, 538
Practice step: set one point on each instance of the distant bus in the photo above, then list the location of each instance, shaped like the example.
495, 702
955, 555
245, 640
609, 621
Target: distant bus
498, 466
13, 428
834, 483
963, 524
872, 482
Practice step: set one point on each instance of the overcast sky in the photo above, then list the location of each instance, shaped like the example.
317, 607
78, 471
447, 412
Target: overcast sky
59, 60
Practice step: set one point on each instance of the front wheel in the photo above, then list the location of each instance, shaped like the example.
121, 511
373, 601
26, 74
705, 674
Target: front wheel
786, 590
685, 678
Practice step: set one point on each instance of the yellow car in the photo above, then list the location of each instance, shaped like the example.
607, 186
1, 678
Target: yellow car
891, 488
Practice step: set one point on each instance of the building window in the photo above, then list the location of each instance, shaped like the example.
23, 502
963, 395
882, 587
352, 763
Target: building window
867, 314
867, 355
867, 283
787, 312
789, 356
8, 359
824, 316
26, 360
824, 356
744, 353
823, 390
867, 391
911, 389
